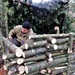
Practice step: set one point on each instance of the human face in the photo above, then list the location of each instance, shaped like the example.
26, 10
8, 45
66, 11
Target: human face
24, 30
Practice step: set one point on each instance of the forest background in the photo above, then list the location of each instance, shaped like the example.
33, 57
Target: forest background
43, 22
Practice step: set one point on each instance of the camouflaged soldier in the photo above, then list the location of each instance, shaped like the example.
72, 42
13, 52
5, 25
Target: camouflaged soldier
20, 33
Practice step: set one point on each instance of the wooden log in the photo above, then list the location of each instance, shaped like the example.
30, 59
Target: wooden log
57, 54
64, 69
22, 60
72, 74
13, 48
43, 50
70, 52
43, 43
45, 64
58, 41
57, 70
8, 56
35, 58
1, 41
21, 69
60, 69
9, 64
57, 47
9, 45
34, 52
49, 35
34, 73
33, 45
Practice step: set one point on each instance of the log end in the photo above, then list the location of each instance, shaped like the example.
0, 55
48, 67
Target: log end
26, 46
55, 47
26, 69
20, 61
18, 52
4, 57
21, 69
53, 41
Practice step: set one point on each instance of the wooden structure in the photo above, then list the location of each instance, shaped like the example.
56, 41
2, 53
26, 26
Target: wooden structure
54, 51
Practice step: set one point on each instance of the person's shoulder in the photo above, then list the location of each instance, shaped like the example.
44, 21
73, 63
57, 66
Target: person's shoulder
18, 27
31, 30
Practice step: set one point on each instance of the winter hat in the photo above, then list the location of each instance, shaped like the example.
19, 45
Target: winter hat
26, 25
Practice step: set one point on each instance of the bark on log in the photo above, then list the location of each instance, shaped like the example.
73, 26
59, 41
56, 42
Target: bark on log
57, 70
41, 57
45, 64
13, 48
9, 64
49, 35
8, 56
33, 45
58, 41
9, 45
37, 51
34, 52
57, 47
35, 58
43, 50
56, 54
64, 69
21, 69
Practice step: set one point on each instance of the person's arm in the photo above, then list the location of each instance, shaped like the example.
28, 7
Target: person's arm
11, 33
28, 40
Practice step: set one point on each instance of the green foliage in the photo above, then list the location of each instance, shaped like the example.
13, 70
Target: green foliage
42, 20
72, 15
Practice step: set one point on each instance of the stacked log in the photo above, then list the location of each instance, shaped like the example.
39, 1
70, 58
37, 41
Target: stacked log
51, 52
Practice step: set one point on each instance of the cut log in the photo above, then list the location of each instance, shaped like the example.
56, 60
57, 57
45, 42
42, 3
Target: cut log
17, 60
58, 41
9, 64
49, 35
45, 64
33, 52
21, 69
8, 56
43, 50
13, 48
35, 58
57, 47
33, 45
9, 45
64, 69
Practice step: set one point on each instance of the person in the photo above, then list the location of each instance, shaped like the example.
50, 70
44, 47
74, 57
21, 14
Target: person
20, 33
